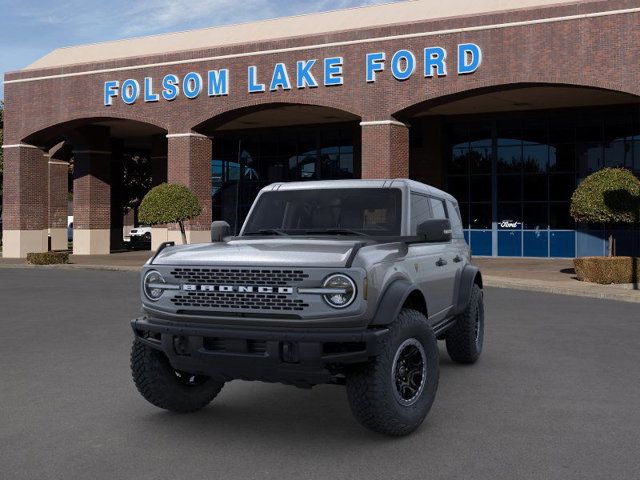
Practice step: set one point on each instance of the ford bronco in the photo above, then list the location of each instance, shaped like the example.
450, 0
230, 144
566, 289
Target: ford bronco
348, 282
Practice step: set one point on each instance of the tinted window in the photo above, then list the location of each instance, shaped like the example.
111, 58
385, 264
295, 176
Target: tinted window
420, 211
437, 207
372, 211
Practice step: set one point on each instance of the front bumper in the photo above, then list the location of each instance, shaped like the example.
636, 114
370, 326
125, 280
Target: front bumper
302, 357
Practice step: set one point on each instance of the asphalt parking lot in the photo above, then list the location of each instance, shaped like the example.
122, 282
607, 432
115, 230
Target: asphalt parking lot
555, 395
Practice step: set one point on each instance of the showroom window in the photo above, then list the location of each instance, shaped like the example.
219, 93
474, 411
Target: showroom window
514, 174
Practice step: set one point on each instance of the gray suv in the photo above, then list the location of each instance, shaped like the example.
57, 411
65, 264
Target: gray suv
348, 282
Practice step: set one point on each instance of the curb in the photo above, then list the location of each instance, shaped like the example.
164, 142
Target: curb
75, 266
501, 282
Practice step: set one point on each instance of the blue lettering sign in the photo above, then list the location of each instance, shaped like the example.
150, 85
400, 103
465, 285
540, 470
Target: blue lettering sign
280, 78
170, 86
218, 82
110, 92
149, 96
434, 58
304, 77
333, 71
130, 91
254, 86
192, 85
469, 58
375, 63
403, 64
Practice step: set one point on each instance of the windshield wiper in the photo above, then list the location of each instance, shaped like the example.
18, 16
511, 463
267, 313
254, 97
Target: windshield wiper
336, 231
268, 231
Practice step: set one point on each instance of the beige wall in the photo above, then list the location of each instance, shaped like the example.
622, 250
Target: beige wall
58, 238
91, 242
17, 243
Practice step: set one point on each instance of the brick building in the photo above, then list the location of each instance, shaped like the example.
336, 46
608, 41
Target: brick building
506, 105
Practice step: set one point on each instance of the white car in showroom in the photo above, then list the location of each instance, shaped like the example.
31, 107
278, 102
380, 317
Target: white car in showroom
139, 237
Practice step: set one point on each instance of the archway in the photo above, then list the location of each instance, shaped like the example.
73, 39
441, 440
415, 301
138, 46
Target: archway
98, 171
278, 142
513, 155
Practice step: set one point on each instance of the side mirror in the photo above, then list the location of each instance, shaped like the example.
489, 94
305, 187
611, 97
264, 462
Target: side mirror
435, 230
219, 230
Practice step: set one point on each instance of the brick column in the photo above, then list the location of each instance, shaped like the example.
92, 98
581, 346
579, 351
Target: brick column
159, 233
189, 163
91, 191
385, 149
25, 210
91, 202
58, 192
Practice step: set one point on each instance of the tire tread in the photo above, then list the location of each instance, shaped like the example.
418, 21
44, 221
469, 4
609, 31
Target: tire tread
460, 339
151, 371
368, 388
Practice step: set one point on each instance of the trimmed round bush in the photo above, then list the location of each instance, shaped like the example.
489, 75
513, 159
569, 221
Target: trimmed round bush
169, 203
611, 195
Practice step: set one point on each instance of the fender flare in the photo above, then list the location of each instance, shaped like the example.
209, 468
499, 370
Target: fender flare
467, 279
392, 301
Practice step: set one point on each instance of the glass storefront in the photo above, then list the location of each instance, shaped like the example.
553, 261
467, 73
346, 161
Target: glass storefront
514, 174
245, 162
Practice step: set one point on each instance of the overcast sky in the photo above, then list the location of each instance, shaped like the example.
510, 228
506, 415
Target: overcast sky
30, 29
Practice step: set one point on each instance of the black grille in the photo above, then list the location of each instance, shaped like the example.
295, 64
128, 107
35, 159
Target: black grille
239, 301
239, 276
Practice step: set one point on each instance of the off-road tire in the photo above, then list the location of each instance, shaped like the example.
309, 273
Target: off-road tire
157, 382
464, 342
371, 388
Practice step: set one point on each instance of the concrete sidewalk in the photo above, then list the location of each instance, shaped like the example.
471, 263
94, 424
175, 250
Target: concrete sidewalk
551, 276
538, 275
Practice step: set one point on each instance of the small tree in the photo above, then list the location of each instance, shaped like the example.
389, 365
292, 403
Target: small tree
609, 196
169, 203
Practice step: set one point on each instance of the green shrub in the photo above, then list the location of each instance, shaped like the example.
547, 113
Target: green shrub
48, 258
607, 270
609, 196
169, 203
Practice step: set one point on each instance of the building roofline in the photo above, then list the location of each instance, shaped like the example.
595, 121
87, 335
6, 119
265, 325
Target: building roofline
21, 76
309, 24
226, 25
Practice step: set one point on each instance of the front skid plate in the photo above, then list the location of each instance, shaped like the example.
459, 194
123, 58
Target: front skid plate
295, 357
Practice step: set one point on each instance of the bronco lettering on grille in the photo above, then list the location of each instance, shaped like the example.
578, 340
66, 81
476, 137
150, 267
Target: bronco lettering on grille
237, 289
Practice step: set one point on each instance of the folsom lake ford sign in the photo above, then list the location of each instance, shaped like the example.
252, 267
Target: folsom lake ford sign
310, 73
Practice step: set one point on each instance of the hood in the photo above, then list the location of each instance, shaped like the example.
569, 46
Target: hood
290, 251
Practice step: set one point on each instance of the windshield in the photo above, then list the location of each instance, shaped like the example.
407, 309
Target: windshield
354, 211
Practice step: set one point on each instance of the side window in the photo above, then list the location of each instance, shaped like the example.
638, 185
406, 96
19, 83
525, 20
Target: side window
456, 221
420, 211
437, 206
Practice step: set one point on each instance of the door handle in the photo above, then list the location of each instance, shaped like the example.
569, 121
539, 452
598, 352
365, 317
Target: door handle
457, 259
441, 262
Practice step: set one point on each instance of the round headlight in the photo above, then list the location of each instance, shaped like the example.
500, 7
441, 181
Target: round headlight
344, 291
152, 285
